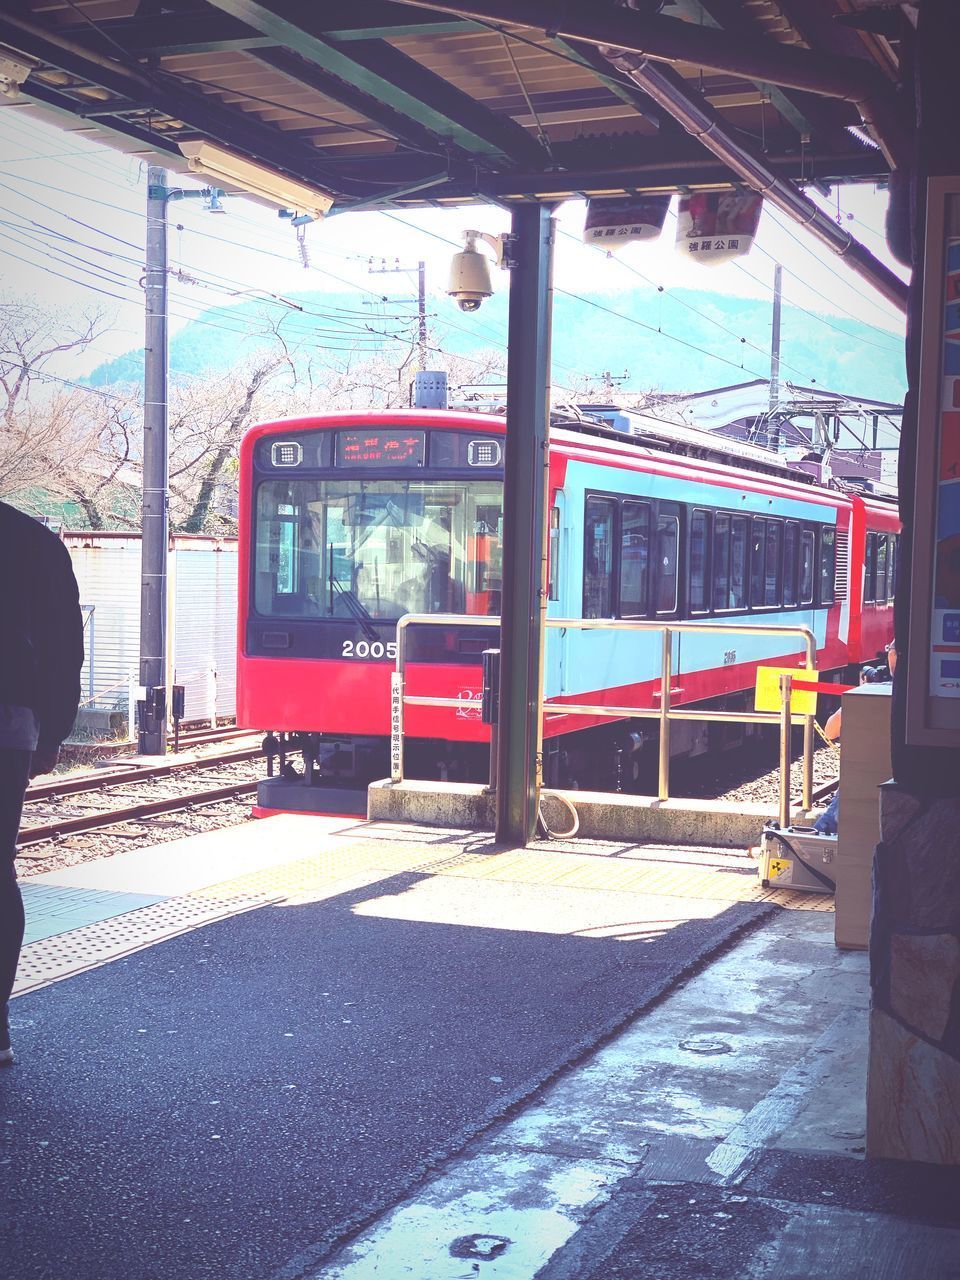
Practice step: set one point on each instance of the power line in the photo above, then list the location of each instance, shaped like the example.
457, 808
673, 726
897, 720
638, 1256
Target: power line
683, 303
610, 311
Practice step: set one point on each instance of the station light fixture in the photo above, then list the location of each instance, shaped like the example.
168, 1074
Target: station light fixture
267, 184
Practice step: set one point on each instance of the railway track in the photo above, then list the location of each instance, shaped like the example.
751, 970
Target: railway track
104, 818
132, 773
41, 826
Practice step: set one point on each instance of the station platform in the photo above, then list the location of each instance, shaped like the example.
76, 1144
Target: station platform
341, 1049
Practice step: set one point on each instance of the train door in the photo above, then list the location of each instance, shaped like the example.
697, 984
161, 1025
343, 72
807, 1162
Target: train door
558, 578
667, 580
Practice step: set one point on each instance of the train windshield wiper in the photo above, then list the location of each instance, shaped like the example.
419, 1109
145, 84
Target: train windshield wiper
358, 611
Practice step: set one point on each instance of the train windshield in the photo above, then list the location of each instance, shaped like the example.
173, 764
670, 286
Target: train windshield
378, 549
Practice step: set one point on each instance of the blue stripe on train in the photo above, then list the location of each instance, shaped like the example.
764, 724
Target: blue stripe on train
582, 661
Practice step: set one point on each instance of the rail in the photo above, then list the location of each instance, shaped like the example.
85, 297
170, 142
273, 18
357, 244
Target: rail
664, 713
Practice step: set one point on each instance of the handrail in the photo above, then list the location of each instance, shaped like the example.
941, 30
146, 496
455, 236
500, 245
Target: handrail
664, 713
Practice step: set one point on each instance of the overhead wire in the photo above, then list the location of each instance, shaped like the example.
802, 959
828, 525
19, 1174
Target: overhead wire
353, 285
366, 335
333, 340
627, 266
610, 311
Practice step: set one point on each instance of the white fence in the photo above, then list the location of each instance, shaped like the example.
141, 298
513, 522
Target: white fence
202, 636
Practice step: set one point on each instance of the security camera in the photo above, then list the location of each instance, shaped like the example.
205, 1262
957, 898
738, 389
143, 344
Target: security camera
470, 279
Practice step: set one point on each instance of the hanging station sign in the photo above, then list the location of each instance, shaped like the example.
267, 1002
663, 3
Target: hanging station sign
611, 223
715, 226
933, 674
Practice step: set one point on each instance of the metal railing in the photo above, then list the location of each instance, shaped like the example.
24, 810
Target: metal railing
664, 713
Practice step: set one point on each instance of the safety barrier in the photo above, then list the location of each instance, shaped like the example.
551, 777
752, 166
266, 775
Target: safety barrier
665, 714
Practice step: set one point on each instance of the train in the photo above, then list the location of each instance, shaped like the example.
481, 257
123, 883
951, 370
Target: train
348, 521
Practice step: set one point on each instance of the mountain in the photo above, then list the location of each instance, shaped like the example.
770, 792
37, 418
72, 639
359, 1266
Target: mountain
677, 341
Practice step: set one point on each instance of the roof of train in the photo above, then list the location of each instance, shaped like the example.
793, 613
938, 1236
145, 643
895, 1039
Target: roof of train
691, 444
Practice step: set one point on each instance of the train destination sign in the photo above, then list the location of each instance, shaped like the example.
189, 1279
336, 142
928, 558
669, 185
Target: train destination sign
381, 448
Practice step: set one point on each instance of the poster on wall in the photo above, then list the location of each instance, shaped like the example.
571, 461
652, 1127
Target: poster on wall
611, 223
932, 671
716, 226
945, 621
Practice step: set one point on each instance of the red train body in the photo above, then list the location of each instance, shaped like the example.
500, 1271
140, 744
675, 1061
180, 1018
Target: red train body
349, 520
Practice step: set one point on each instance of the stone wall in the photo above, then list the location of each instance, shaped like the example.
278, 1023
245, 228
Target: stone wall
913, 1083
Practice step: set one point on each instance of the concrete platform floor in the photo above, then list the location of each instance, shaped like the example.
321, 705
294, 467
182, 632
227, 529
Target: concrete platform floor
720, 1133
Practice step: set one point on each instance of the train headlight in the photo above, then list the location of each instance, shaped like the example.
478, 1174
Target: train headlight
286, 453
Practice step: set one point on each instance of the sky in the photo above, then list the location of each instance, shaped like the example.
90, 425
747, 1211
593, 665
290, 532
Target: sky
72, 227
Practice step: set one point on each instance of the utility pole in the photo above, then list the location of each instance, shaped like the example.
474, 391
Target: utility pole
610, 381
397, 269
152, 729
152, 708
422, 313
774, 439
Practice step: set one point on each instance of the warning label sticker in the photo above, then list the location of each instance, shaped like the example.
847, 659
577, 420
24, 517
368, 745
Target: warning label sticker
780, 869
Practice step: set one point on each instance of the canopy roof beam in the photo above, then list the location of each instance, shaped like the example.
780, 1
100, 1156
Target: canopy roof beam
672, 40
239, 131
810, 115
383, 72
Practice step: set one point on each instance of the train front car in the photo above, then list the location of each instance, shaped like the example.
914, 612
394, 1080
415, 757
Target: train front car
348, 522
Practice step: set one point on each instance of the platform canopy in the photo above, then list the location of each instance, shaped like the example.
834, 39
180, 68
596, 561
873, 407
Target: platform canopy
373, 104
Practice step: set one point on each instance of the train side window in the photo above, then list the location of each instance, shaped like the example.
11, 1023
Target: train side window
828, 564
892, 566
757, 549
739, 544
771, 579
791, 549
699, 544
599, 523
882, 562
666, 570
288, 547
870, 570
634, 559
806, 567
553, 556
721, 561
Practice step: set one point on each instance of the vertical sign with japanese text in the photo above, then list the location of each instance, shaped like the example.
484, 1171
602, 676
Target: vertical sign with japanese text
945, 618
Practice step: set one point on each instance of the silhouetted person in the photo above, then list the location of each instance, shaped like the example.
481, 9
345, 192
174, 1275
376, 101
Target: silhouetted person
41, 653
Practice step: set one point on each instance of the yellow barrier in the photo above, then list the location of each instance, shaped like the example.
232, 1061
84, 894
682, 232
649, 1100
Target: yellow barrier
803, 702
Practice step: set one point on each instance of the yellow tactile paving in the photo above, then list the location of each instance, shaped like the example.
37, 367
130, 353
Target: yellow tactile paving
345, 861
359, 859
664, 879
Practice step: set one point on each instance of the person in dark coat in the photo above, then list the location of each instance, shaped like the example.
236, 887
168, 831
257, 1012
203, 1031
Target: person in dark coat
41, 653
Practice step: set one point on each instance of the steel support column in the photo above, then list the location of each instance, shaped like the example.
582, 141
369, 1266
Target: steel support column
153, 563
524, 524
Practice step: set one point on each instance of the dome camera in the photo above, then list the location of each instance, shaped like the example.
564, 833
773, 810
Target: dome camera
470, 279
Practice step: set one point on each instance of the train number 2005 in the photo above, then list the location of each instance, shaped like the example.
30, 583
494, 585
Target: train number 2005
369, 649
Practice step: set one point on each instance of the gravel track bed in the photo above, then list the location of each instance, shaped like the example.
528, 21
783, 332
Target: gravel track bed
80, 847
751, 776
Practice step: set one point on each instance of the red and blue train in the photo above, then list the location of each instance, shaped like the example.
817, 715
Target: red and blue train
350, 520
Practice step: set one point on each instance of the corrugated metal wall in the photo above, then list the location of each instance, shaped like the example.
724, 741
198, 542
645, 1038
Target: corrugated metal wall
205, 626
203, 589
108, 574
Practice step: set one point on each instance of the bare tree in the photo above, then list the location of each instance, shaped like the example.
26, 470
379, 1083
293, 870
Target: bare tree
209, 416
56, 436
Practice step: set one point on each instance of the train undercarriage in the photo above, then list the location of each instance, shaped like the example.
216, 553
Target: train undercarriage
323, 773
